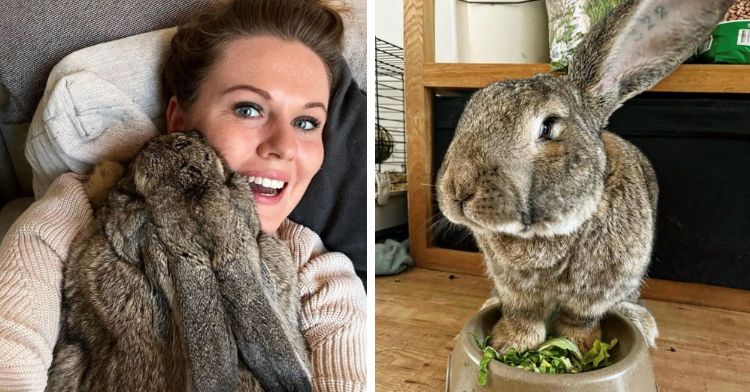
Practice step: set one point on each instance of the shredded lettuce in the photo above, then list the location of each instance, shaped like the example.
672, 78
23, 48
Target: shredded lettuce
554, 356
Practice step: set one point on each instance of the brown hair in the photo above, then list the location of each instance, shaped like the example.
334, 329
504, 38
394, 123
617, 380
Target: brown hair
198, 44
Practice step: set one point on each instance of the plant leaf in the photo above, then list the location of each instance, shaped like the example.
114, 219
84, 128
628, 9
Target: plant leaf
562, 343
484, 364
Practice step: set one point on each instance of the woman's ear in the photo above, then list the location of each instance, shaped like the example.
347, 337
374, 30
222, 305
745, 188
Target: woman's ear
175, 116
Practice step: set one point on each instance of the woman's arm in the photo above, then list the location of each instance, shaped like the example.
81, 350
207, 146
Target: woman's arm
31, 260
333, 313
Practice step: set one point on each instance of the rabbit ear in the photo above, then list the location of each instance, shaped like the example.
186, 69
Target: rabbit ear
123, 216
639, 43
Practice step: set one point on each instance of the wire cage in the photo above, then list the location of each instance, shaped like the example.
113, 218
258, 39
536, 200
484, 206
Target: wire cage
390, 135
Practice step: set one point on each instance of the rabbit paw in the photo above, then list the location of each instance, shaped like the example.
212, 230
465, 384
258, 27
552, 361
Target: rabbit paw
584, 337
104, 176
520, 335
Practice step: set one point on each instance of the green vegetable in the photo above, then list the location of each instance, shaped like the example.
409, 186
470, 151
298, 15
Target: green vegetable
554, 356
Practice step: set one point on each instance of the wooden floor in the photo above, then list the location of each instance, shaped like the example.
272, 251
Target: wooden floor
419, 313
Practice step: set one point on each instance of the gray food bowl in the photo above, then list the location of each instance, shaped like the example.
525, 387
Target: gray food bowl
630, 368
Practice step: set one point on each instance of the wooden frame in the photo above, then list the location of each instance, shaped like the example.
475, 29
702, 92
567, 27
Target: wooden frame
423, 75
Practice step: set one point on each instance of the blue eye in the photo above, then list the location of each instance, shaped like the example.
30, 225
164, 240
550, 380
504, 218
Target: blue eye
306, 123
247, 110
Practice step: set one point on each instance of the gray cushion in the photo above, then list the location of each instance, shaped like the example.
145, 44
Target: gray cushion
11, 211
14, 136
335, 204
8, 182
355, 41
36, 34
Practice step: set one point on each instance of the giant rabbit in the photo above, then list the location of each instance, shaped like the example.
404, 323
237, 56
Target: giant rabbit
174, 287
563, 210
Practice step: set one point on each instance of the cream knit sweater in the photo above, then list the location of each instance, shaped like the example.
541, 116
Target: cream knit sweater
31, 257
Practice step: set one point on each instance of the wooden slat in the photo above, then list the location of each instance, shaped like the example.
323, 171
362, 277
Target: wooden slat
450, 260
419, 33
697, 294
697, 78
445, 75
454, 261
420, 312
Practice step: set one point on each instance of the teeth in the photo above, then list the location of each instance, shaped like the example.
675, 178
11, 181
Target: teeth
266, 182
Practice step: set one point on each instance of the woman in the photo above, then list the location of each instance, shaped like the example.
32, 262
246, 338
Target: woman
255, 77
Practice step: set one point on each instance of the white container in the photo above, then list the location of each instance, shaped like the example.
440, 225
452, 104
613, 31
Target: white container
505, 31
393, 213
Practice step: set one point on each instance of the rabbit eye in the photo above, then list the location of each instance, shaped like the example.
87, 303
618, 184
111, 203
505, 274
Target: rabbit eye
181, 143
545, 133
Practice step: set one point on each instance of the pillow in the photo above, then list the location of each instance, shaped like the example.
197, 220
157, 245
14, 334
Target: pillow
100, 102
104, 102
36, 34
334, 205
355, 36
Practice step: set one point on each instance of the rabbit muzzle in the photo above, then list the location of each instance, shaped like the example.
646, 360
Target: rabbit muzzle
485, 199
510, 197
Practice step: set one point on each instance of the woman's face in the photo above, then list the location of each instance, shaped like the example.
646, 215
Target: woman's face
263, 107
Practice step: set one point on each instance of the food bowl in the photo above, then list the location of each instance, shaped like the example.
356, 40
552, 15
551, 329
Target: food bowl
630, 368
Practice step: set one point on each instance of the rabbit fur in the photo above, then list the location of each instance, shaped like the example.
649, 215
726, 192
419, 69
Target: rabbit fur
175, 287
563, 210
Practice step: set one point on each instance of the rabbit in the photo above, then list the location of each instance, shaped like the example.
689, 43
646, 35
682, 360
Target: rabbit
175, 286
564, 211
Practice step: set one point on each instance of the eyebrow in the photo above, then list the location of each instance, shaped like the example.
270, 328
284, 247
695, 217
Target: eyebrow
266, 95
316, 105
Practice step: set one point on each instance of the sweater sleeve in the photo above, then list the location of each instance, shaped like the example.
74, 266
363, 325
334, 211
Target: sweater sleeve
333, 313
31, 260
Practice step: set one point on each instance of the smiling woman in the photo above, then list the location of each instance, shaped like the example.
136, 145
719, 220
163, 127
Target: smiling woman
266, 120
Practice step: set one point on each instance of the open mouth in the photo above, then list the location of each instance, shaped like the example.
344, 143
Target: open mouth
266, 186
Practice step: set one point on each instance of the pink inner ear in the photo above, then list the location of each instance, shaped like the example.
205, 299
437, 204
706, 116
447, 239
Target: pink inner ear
657, 32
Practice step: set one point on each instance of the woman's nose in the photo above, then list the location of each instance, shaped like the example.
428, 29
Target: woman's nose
281, 141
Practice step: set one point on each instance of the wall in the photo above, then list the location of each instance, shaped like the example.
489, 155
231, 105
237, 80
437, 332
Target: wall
389, 25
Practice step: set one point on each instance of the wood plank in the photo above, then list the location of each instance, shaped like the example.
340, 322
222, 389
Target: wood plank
468, 75
457, 261
419, 32
419, 313
697, 294
471, 263
696, 78
450, 260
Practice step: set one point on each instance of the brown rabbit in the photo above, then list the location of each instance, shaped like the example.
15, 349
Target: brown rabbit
174, 280
564, 211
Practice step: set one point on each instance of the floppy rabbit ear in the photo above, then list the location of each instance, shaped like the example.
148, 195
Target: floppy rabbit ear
123, 216
638, 44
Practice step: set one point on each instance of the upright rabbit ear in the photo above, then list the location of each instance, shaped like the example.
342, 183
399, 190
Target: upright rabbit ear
637, 45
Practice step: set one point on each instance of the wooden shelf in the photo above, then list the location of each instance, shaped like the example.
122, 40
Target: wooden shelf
695, 78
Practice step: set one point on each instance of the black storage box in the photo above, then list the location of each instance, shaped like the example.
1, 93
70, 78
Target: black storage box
699, 146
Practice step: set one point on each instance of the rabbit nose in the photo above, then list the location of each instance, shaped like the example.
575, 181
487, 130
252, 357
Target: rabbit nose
461, 194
